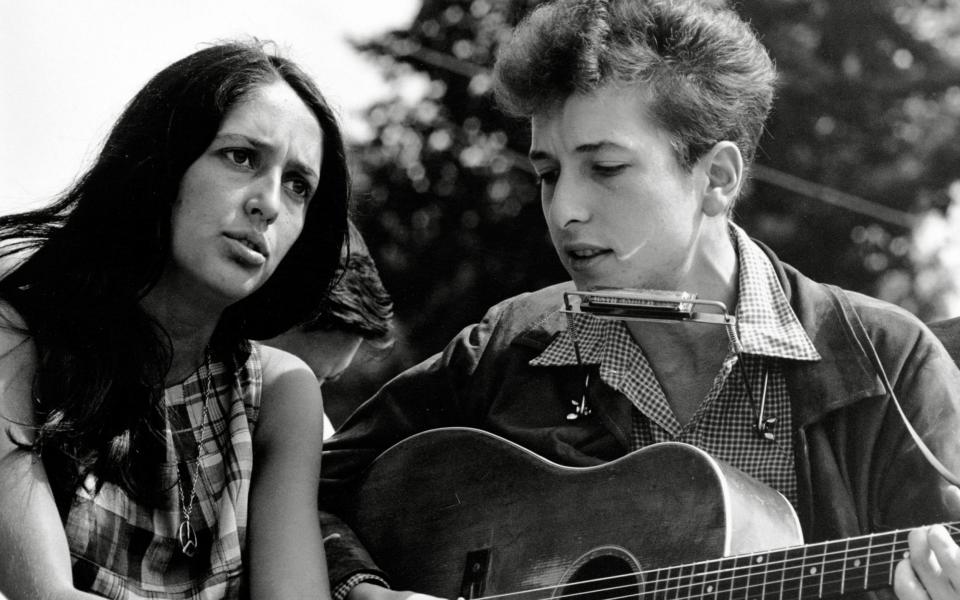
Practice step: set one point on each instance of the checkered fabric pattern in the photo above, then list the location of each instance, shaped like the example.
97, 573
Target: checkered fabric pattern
723, 424
340, 592
127, 551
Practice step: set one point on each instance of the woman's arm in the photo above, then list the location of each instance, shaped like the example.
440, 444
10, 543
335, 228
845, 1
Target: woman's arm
34, 556
286, 548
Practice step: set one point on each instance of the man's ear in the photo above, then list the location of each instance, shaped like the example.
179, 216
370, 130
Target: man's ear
723, 166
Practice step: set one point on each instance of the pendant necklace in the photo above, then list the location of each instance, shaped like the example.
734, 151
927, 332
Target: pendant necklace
186, 534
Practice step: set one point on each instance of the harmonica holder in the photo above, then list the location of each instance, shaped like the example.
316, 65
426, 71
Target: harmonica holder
625, 304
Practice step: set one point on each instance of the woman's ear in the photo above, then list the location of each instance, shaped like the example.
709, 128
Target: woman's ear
723, 165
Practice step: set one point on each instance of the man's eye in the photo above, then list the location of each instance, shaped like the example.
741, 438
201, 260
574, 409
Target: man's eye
605, 170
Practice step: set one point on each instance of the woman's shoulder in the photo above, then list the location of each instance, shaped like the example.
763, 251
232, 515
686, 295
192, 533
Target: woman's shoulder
18, 363
291, 398
15, 340
287, 378
10, 319
277, 364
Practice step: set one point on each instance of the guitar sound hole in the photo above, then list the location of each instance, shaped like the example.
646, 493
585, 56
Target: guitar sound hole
602, 578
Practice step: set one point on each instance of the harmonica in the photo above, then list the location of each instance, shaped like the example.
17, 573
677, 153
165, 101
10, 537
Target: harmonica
637, 304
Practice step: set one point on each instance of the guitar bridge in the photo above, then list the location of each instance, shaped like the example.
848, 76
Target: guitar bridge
475, 574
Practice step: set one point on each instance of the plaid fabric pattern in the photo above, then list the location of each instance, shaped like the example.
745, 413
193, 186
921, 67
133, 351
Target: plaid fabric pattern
723, 424
340, 592
123, 550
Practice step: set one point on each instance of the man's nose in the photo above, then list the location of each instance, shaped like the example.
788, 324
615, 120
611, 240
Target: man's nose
569, 203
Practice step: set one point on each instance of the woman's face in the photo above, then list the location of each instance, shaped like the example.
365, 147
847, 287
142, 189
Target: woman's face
243, 202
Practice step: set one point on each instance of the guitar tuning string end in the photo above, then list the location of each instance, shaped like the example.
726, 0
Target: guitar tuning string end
580, 407
764, 427
763, 424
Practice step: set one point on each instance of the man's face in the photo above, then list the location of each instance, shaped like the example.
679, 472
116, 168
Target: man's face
621, 210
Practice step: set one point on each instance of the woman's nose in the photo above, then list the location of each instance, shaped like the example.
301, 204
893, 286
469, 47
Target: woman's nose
264, 201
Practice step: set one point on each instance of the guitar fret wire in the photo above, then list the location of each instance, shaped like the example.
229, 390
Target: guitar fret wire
739, 571
846, 557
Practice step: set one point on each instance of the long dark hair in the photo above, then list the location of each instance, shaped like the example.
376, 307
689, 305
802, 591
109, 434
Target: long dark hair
93, 254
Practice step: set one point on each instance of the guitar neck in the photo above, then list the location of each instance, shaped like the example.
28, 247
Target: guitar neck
823, 570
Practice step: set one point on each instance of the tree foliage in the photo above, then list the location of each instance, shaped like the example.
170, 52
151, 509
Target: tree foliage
869, 105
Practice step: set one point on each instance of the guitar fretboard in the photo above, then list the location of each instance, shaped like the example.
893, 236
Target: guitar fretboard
824, 570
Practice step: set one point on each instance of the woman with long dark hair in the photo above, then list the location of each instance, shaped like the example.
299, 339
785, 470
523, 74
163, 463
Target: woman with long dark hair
148, 449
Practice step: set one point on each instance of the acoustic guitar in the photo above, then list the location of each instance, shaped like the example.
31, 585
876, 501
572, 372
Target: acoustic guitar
464, 513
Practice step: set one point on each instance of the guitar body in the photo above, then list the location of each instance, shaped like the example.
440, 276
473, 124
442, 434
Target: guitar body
460, 512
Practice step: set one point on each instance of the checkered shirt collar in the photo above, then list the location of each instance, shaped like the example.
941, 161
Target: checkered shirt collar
766, 324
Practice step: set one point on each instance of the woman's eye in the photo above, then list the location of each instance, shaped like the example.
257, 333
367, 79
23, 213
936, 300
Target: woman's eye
300, 188
239, 156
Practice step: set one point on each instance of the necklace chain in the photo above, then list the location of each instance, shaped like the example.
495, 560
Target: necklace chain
186, 534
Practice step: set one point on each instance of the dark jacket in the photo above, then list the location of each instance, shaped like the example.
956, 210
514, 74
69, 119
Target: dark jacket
858, 469
948, 331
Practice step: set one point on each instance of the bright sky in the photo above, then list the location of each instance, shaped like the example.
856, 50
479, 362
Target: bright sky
69, 67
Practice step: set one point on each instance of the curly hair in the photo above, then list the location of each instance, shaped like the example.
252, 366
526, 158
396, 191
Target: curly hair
708, 76
358, 303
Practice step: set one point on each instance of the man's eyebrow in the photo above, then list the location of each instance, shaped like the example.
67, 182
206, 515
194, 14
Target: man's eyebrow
597, 146
581, 149
262, 145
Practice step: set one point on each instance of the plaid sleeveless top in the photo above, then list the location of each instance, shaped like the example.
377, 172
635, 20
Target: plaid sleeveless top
124, 550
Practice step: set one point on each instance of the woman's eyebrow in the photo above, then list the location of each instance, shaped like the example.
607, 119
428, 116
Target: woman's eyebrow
260, 144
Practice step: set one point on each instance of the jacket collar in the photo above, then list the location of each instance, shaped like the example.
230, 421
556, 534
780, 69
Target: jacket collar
844, 376
550, 322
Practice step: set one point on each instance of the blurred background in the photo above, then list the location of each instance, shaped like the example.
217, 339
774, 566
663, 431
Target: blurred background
857, 181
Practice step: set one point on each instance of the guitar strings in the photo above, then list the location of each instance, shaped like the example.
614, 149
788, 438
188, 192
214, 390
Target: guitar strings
735, 573
706, 587
825, 564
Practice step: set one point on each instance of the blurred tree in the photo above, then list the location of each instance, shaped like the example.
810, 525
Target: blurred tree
869, 104
868, 107
445, 196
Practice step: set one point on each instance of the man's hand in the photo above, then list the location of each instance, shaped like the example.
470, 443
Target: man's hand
932, 570
371, 591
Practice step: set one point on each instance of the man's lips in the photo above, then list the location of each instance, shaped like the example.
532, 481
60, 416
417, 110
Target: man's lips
583, 250
582, 256
586, 253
